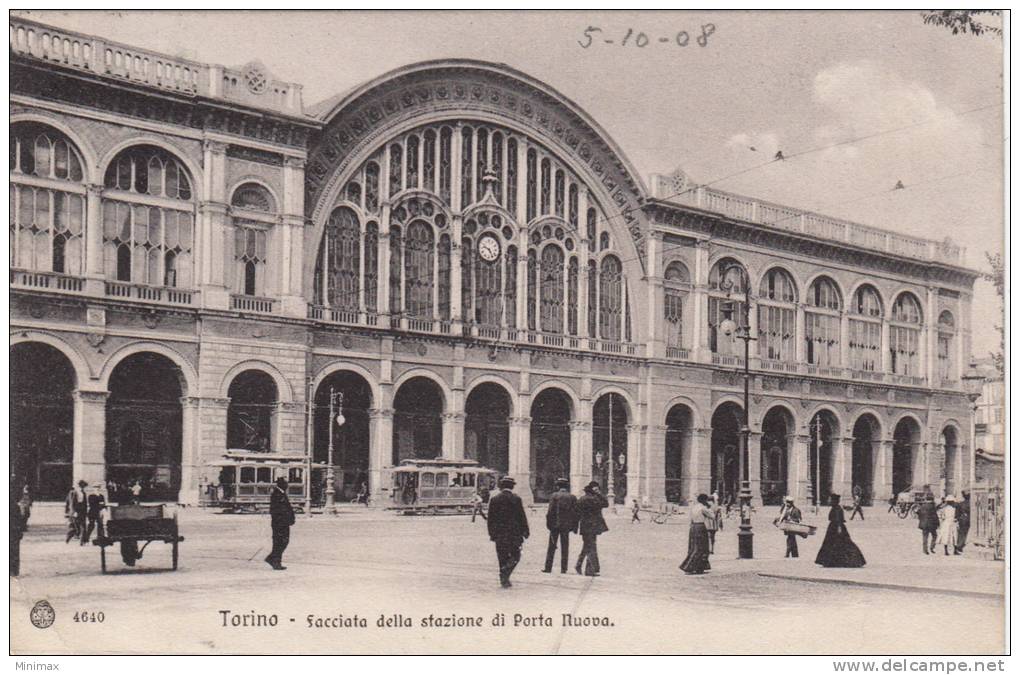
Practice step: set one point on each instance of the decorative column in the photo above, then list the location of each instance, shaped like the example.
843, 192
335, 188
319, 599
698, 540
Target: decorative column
520, 456
580, 454
635, 436
655, 466
656, 327
699, 327
886, 356
215, 246
882, 478
453, 435
800, 331
844, 342
699, 466
383, 277
191, 452
754, 466
798, 467
89, 454
456, 185
930, 338
94, 273
291, 258
380, 438
842, 480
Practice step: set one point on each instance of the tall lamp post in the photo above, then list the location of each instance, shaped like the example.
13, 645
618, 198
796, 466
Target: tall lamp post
745, 538
336, 407
973, 383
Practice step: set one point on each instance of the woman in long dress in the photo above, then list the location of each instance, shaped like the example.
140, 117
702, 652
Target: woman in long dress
838, 550
696, 561
947, 526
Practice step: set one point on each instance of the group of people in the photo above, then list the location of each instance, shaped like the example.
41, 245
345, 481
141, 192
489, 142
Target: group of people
946, 525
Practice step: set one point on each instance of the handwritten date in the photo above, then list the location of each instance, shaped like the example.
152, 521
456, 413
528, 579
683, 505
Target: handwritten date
594, 35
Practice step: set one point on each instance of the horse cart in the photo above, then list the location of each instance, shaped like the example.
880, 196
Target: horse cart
129, 524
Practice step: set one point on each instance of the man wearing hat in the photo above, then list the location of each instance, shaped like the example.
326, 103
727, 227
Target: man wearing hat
561, 519
591, 525
789, 514
281, 515
928, 523
508, 528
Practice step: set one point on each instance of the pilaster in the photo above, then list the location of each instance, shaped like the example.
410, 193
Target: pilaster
89, 454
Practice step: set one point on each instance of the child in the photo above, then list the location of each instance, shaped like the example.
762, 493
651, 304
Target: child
634, 510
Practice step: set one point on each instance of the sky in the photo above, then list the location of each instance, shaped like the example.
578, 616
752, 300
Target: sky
761, 82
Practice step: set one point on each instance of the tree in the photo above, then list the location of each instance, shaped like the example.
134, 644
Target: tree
963, 20
997, 277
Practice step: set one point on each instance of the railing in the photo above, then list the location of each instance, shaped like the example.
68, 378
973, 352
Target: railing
825, 371
251, 303
143, 293
419, 325
906, 379
165, 72
806, 222
488, 332
726, 360
678, 353
333, 315
780, 366
872, 375
47, 280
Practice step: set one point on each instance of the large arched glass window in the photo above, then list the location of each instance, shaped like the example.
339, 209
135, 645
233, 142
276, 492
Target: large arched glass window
510, 287
777, 316
865, 339
946, 348
905, 336
551, 276
371, 267
419, 250
444, 262
47, 207
726, 282
611, 299
822, 323
677, 281
343, 259
252, 213
148, 219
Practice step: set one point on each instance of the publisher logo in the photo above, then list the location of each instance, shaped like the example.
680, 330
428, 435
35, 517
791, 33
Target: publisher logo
42, 615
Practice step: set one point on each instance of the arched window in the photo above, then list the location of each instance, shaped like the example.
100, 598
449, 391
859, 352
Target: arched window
372, 187
726, 282
552, 289
466, 167
511, 176
47, 201
905, 336
865, 339
496, 165
546, 187
467, 277
419, 251
593, 297
510, 292
343, 260
396, 270
822, 323
251, 414
429, 161
481, 154
445, 164
411, 165
777, 316
677, 286
372, 267
777, 285
591, 228
396, 168
572, 281
444, 277
147, 212
532, 287
532, 184
252, 209
946, 348
610, 299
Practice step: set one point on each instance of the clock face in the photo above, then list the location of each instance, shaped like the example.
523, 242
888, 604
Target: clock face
488, 248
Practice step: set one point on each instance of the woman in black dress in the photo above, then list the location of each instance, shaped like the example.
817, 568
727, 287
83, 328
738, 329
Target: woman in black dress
838, 550
696, 561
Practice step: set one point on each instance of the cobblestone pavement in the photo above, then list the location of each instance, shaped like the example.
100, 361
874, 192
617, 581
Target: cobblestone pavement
372, 564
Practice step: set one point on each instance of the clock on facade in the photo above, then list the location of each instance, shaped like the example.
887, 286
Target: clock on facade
488, 248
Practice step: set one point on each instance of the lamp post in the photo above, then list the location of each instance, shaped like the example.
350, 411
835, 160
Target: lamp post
816, 426
611, 463
745, 538
973, 383
336, 402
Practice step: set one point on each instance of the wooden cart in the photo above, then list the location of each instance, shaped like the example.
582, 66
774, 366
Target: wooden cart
138, 523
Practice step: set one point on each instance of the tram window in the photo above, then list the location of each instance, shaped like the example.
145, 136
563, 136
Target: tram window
457, 480
295, 475
428, 480
442, 480
247, 474
265, 474
469, 480
398, 480
228, 474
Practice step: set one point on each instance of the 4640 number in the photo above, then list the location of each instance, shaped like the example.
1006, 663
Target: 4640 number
83, 616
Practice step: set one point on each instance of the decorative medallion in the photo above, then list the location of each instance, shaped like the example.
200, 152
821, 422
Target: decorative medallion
95, 339
346, 342
42, 615
36, 311
151, 319
555, 364
256, 78
422, 350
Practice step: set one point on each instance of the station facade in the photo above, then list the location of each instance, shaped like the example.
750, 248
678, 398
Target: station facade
198, 260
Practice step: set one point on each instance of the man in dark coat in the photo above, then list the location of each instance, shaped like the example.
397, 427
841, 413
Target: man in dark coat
962, 522
96, 504
591, 525
282, 515
928, 523
17, 523
74, 510
790, 514
508, 528
561, 519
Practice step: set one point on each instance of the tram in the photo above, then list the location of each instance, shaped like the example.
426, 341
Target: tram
433, 486
245, 481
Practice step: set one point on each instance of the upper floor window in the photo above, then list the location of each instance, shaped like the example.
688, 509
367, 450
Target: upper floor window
946, 348
822, 323
677, 280
727, 282
905, 337
146, 169
676, 272
907, 309
253, 210
867, 302
253, 197
824, 294
777, 284
777, 316
47, 201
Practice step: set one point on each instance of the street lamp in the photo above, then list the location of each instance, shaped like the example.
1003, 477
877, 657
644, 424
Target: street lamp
336, 407
973, 384
728, 327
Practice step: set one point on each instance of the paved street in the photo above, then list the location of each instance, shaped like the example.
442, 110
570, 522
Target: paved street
373, 563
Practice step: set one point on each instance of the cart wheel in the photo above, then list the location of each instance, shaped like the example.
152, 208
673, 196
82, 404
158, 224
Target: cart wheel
659, 518
174, 554
902, 513
102, 558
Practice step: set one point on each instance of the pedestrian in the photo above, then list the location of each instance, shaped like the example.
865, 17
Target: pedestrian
893, 503
789, 514
508, 528
136, 492
962, 521
281, 515
94, 514
477, 505
858, 503
714, 523
696, 561
17, 525
25, 504
838, 550
947, 527
635, 511
363, 493
74, 511
928, 523
561, 519
591, 524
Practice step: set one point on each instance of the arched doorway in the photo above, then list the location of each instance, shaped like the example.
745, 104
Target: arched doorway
951, 468
862, 469
487, 427
678, 447
42, 419
350, 440
551, 413
776, 428
726, 422
906, 438
417, 420
143, 427
609, 444
251, 414
823, 431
